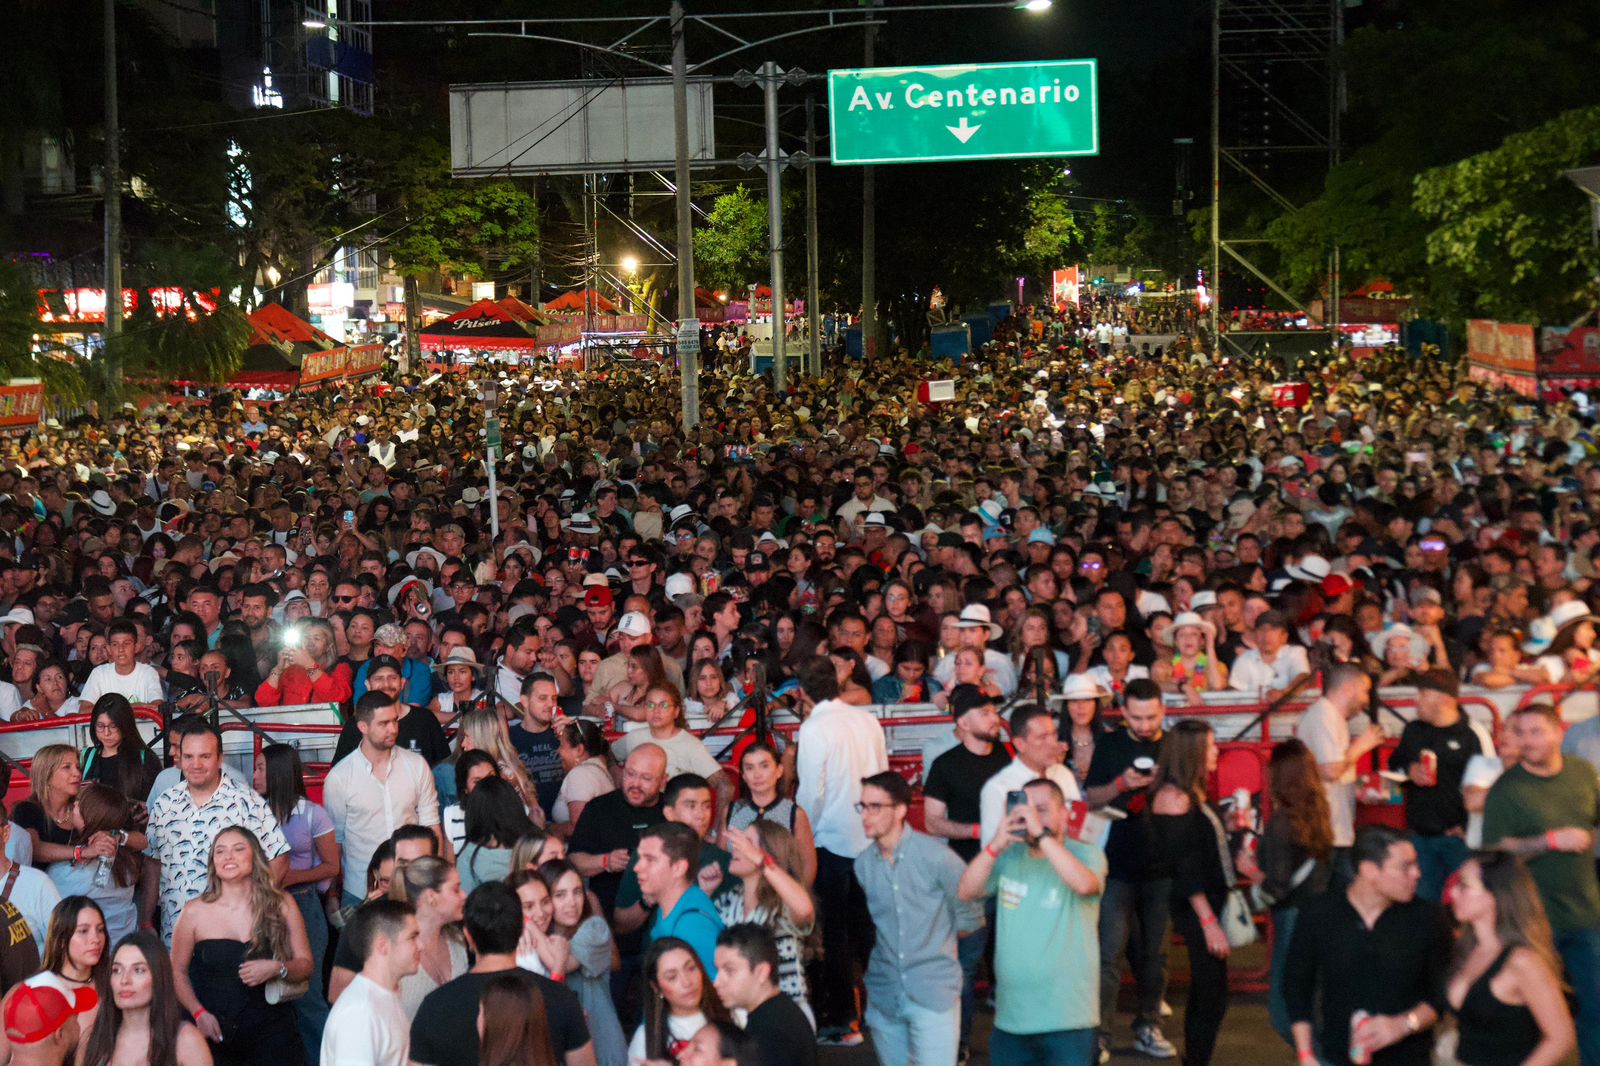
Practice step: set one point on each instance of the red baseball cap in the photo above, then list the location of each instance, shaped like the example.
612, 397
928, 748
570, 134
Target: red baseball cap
597, 596
1336, 585
41, 1005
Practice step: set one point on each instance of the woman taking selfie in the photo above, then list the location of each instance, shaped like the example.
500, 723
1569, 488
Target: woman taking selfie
238, 950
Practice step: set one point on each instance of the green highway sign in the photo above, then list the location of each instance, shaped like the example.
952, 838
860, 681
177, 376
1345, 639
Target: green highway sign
983, 111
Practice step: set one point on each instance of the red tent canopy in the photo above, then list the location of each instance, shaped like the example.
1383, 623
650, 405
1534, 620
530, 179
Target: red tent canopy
706, 298
572, 302
276, 324
520, 311
763, 292
485, 324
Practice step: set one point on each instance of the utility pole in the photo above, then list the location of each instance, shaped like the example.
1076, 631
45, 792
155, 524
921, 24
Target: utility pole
112, 179
869, 231
813, 254
771, 76
688, 323
1216, 176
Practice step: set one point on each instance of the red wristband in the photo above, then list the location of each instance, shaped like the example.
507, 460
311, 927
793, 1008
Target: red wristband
1550, 840
977, 832
1209, 920
989, 848
559, 976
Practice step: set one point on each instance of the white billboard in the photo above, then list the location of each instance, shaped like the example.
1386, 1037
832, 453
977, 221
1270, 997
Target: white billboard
573, 127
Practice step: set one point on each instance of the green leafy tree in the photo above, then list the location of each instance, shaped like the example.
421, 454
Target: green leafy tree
474, 228
1510, 236
1445, 80
730, 245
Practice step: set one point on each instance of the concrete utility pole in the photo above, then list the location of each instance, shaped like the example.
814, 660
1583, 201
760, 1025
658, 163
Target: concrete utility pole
688, 324
771, 77
111, 176
813, 253
869, 232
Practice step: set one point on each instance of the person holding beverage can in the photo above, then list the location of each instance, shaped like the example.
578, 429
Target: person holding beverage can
1433, 753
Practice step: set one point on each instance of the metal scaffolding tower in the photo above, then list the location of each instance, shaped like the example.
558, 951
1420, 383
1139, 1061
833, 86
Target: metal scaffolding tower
1277, 98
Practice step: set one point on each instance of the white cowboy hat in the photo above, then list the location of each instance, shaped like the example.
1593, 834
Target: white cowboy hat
102, 502
1312, 568
1570, 613
1191, 620
1083, 687
459, 656
975, 615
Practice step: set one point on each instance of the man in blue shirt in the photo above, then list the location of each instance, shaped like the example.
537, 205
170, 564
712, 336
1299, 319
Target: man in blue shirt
669, 856
913, 977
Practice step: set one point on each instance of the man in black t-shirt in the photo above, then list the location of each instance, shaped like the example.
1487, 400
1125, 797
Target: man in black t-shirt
747, 968
445, 1029
608, 830
1433, 753
951, 809
420, 731
1137, 881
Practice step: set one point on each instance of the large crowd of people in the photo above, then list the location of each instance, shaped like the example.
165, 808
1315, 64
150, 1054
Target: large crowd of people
560, 825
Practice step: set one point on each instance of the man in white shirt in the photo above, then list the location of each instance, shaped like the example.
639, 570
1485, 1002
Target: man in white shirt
977, 629
124, 674
34, 894
185, 819
1325, 729
1039, 753
839, 744
1273, 664
375, 790
367, 1026
866, 500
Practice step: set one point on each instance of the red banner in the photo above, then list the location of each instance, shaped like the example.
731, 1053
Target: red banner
1064, 287
1502, 346
364, 359
20, 407
324, 366
1570, 351
1526, 384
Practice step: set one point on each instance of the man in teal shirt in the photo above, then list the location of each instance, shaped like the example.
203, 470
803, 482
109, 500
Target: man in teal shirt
668, 858
1047, 941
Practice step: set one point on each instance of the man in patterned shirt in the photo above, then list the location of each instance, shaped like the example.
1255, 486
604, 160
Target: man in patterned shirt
185, 820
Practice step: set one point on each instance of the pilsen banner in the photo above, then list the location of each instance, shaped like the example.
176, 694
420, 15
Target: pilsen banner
20, 407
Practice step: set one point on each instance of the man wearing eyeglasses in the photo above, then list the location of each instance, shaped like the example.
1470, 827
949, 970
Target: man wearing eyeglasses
911, 882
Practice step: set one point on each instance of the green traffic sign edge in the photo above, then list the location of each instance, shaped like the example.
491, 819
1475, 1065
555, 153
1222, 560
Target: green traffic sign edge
833, 112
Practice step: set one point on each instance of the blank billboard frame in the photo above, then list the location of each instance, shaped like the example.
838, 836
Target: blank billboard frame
520, 129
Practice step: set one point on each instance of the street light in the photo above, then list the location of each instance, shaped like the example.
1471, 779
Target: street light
630, 264
314, 24
1035, 6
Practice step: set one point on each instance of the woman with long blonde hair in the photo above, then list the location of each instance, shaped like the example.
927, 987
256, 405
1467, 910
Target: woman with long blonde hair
238, 952
1505, 976
483, 729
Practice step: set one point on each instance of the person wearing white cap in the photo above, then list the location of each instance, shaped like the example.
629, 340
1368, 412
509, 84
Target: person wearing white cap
977, 628
633, 629
1571, 658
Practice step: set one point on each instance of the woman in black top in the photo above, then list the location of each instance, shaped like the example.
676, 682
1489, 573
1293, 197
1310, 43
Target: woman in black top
1505, 985
119, 757
1191, 837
